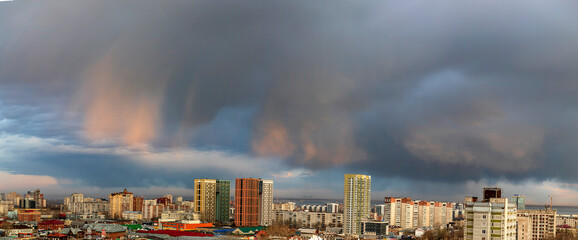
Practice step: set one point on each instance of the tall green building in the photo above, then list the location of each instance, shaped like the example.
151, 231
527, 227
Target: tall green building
222, 199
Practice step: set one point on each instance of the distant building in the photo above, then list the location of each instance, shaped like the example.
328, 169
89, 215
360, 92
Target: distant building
78, 204
520, 201
119, 203
332, 207
132, 215
137, 204
357, 197
399, 212
492, 219
380, 209
27, 203
51, 225
286, 206
309, 219
29, 215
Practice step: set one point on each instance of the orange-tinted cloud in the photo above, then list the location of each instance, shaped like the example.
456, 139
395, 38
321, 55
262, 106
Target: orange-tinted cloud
10, 181
116, 107
274, 141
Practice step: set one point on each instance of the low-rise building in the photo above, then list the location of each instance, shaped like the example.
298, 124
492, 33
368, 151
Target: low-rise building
51, 225
132, 215
309, 219
29, 215
377, 229
19, 231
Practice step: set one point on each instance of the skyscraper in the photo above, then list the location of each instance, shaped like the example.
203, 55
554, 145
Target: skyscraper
357, 196
253, 202
246, 202
223, 198
212, 198
265, 202
205, 199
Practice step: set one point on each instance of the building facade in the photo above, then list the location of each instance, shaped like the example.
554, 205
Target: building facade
119, 203
491, 220
212, 198
309, 219
356, 202
205, 199
247, 202
265, 202
543, 222
223, 198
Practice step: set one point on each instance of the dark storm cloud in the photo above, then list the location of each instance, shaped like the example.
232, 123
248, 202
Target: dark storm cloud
457, 90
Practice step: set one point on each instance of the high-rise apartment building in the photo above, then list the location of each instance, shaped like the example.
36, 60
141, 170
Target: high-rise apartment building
543, 223
211, 199
205, 199
120, 202
223, 197
356, 202
492, 219
246, 202
399, 212
265, 202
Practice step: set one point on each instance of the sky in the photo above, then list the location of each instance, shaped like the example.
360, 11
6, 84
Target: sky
433, 99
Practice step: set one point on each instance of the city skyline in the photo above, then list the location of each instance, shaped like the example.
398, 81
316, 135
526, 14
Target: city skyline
434, 100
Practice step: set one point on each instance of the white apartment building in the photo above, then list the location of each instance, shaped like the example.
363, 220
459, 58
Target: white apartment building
492, 220
265, 202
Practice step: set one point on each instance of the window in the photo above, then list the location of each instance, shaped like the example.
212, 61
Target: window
483, 231
484, 216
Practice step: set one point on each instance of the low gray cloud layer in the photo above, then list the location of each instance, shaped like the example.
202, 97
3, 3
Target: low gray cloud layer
442, 91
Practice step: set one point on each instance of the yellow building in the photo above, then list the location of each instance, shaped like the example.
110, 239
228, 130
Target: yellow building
205, 199
357, 197
119, 203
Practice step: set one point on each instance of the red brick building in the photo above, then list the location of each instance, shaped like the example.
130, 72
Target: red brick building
246, 202
51, 225
29, 215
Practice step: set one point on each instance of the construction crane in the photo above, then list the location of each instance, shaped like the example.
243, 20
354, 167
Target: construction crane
551, 196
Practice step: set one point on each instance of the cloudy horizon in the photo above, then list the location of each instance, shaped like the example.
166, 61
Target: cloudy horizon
434, 100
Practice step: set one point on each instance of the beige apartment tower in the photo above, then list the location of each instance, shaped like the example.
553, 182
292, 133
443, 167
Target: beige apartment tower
205, 199
356, 202
120, 202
